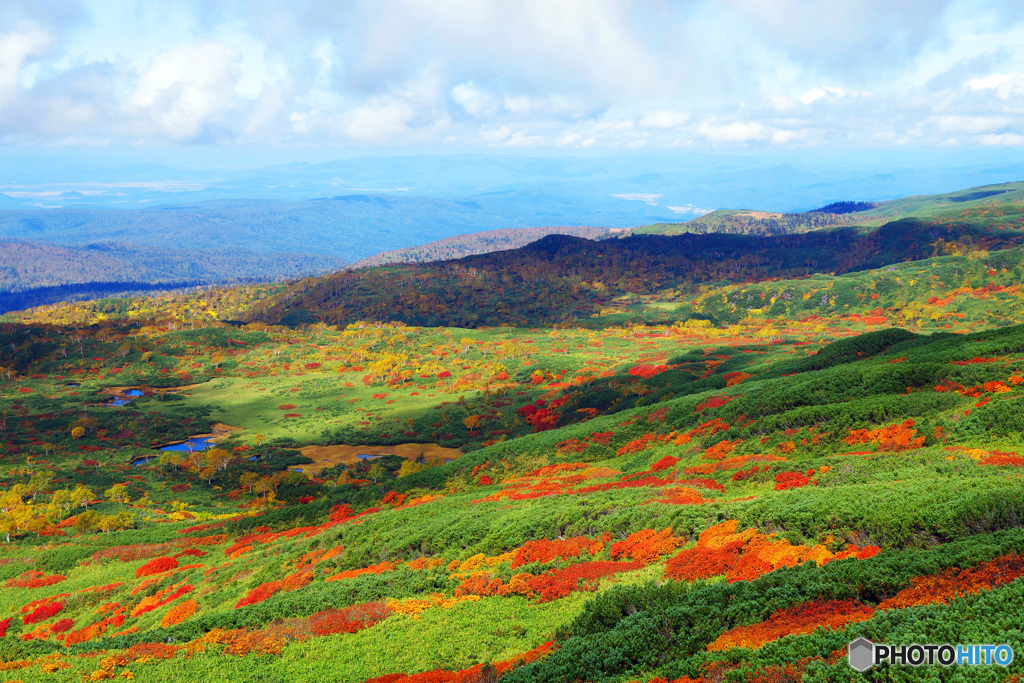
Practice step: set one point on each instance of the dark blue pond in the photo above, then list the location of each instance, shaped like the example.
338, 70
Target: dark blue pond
196, 443
365, 456
125, 397
143, 461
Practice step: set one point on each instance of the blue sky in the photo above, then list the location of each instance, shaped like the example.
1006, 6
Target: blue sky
387, 76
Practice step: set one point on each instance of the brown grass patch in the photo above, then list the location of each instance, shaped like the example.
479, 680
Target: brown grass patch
328, 456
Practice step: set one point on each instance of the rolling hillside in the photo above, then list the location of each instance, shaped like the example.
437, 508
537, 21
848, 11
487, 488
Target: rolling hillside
562, 279
694, 459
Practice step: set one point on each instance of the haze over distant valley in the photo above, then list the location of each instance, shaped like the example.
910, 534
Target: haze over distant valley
301, 218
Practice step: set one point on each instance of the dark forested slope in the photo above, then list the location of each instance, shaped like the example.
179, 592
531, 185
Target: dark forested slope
561, 278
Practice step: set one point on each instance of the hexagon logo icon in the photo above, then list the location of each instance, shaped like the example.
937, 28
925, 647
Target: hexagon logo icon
862, 654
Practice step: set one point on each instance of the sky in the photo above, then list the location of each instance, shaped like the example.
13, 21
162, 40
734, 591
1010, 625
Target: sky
386, 76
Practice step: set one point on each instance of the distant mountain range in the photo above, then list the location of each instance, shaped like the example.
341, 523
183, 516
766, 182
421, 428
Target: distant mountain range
562, 278
157, 224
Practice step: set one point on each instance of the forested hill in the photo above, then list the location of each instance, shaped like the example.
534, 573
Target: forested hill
991, 201
562, 278
477, 243
739, 222
36, 273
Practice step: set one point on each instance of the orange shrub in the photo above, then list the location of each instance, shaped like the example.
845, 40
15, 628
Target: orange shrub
162, 597
646, 546
895, 437
681, 495
637, 445
746, 555
798, 620
372, 569
721, 449
424, 563
953, 583
544, 550
179, 613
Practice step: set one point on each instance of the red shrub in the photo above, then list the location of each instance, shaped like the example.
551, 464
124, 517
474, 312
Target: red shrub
794, 480
340, 512
396, 499
156, 566
63, 625
34, 579
348, 620
558, 583
544, 551
43, 612
646, 371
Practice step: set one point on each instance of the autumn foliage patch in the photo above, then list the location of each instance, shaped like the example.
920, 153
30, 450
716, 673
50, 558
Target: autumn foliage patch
646, 546
156, 566
895, 437
372, 569
474, 674
952, 583
746, 555
34, 579
798, 620
544, 551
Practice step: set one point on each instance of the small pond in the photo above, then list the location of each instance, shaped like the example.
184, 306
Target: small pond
196, 443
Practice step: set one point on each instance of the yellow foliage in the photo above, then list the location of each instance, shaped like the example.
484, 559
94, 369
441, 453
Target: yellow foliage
414, 606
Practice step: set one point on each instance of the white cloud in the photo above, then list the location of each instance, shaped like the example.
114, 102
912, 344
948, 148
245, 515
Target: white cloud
381, 119
739, 131
28, 39
606, 74
1004, 140
186, 87
639, 197
475, 101
412, 112
973, 124
1004, 86
826, 92
551, 105
663, 119
689, 208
